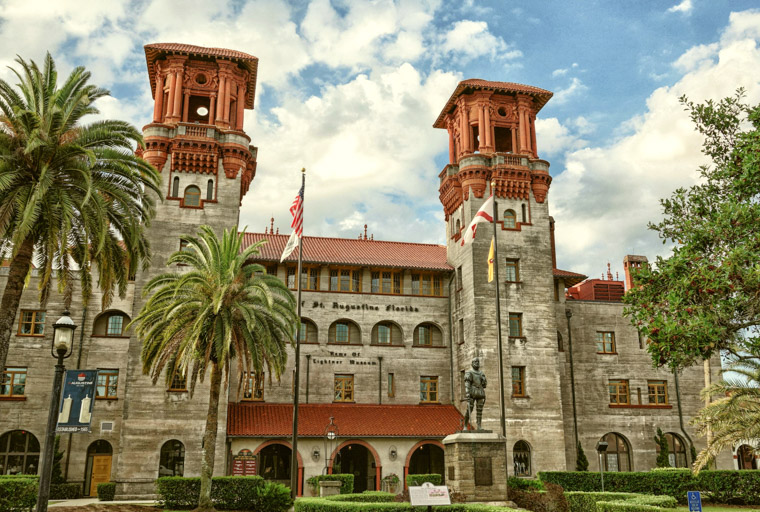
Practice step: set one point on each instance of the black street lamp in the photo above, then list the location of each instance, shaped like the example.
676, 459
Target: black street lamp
61, 348
330, 437
601, 448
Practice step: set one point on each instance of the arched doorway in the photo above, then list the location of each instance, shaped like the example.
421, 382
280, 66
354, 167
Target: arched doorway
357, 459
98, 467
426, 459
172, 461
745, 457
19, 453
521, 458
273, 463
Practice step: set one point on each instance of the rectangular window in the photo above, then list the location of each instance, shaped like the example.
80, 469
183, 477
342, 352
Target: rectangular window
424, 336
518, 381
342, 333
346, 280
515, 325
619, 392
605, 342
344, 388
658, 392
384, 334
108, 382
309, 278
13, 382
429, 389
115, 325
512, 271
303, 333
31, 323
427, 284
461, 330
179, 381
271, 270
391, 386
375, 285
253, 387
387, 282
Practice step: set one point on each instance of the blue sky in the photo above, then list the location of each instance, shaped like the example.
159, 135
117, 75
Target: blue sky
350, 89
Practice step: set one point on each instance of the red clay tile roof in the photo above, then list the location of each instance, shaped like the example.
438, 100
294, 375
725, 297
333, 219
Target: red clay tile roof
350, 251
541, 95
571, 278
246, 61
353, 420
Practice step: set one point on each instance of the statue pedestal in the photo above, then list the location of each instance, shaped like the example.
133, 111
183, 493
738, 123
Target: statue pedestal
476, 465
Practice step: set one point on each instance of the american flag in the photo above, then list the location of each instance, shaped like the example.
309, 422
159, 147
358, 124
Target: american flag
296, 210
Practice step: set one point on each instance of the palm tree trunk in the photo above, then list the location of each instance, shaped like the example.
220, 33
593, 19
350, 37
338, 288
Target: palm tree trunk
209, 439
14, 287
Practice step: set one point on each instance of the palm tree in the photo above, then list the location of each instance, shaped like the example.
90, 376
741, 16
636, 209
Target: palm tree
72, 193
735, 416
223, 308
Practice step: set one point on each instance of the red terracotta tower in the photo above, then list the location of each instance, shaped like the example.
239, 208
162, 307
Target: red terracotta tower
200, 96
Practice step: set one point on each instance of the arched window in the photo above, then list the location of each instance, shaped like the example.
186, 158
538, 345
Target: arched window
110, 323
510, 219
428, 335
618, 454
387, 333
172, 462
175, 187
676, 450
524, 216
275, 462
459, 227
210, 190
192, 196
344, 332
19, 453
560, 345
308, 332
521, 458
745, 457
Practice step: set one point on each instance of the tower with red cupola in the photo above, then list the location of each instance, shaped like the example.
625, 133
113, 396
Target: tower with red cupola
493, 149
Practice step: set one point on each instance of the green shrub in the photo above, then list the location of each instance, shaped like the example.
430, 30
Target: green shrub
20, 476
417, 480
65, 491
581, 461
330, 505
732, 487
346, 481
553, 500
106, 491
227, 493
365, 497
663, 458
525, 483
590, 501
18, 494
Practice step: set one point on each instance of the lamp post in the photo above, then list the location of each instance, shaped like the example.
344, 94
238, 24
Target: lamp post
331, 434
601, 447
63, 336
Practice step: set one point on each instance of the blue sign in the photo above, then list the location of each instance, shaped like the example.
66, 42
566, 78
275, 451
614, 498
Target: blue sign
75, 409
695, 501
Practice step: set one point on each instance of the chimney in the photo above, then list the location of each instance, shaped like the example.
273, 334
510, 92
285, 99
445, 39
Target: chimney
632, 262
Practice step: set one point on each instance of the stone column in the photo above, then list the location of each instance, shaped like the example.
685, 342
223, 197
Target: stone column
158, 104
481, 129
220, 98
177, 94
465, 130
514, 138
452, 147
523, 128
172, 91
186, 107
227, 96
240, 106
489, 128
211, 108
532, 118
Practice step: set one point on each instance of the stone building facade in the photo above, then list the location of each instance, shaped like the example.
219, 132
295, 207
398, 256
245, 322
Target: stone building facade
388, 327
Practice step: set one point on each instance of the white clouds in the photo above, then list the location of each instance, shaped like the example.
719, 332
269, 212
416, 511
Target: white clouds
555, 138
606, 196
565, 94
564, 71
468, 40
684, 7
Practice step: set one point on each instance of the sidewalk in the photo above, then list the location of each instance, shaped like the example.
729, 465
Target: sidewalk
81, 502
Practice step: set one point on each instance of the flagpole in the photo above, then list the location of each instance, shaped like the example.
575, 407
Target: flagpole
496, 265
296, 377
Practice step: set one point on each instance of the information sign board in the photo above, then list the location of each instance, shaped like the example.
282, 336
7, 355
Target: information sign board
695, 501
244, 463
429, 494
75, 409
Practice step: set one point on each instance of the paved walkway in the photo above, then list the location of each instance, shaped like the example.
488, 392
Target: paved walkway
81, 502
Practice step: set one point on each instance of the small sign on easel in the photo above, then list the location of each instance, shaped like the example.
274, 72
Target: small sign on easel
428, 495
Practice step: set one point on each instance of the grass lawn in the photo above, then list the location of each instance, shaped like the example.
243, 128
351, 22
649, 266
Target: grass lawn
724, 508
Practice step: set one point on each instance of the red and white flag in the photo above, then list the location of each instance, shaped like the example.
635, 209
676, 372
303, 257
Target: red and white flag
483, 215
296, 209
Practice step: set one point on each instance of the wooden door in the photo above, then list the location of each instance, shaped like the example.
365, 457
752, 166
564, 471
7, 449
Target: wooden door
101, 472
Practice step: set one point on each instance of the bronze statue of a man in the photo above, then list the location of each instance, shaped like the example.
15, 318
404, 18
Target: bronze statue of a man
475, 392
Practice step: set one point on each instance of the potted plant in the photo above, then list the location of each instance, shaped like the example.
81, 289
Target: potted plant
391, 482
313, 483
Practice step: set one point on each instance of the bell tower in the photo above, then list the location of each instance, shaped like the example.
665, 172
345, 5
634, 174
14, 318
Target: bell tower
493, 148
196, 138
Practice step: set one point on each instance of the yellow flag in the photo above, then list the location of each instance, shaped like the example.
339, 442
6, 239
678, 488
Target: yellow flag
490, 263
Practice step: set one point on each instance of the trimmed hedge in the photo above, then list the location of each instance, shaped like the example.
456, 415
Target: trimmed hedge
18, 494
591, 501
326, 505
417, 480
525, 484
346, 481
227, 493
721, 486
65, 491
365, 497
106, 491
